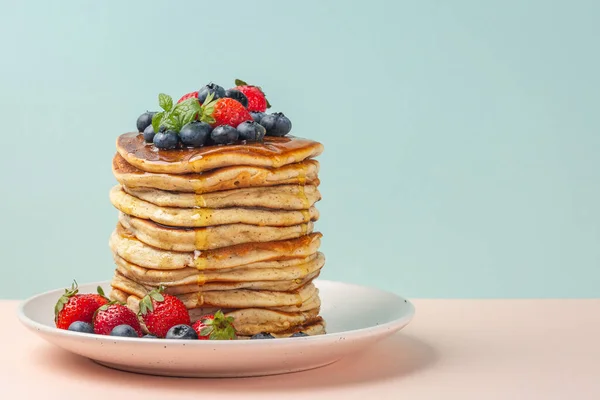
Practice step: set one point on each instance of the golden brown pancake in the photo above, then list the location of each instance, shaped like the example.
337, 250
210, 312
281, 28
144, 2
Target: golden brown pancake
266, 271
274, 152
212, 237
203, 217
283, 197
220, 179
235, 298
127, 246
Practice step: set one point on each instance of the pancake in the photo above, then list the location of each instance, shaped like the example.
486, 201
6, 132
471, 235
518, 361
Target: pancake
203, 217
288, 270
127, 246
284, 197
250, 321
237, 298
189, 240
221, 179
274, 152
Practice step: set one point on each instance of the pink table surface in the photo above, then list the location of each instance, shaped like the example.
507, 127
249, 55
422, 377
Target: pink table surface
463, 349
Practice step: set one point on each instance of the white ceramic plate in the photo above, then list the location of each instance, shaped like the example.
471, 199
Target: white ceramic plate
356, 318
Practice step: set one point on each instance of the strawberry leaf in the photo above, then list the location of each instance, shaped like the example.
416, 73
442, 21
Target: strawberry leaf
100, 291
157, 296
64, 299
207, 330
239, 82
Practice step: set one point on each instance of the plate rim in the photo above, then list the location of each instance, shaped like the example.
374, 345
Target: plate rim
398, 322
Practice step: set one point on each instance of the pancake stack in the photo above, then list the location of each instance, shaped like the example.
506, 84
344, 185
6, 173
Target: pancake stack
226, 228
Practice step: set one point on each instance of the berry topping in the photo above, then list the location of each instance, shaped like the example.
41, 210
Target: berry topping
144, 120
276, 124
251, 131
257, 100
149, 134
227, 112
160, 312
215, 327
257, 116
299, 334
263, 335
237, 95
166, 140
73, 306
80, 326
123, 330
212, 88
181, 332
190, 95
224, 134
195, 134
114, 314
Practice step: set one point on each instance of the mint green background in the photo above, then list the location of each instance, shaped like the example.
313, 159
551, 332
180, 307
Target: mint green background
461, 137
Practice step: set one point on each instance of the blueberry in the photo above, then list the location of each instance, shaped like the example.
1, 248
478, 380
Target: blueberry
182, 332
144, 120
237, 95
276, 124
149, 134
124, 330
257, 116
263, 335
80, 326
224, 134
149, 336
217, 90
166, 140
195, 134
251, 131
299, 334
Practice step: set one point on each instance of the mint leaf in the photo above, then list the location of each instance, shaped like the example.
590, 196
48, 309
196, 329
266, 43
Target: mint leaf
188, 110
157, 121
239, 82
165, 102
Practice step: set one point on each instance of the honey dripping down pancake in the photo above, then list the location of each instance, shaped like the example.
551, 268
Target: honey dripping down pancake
217, 209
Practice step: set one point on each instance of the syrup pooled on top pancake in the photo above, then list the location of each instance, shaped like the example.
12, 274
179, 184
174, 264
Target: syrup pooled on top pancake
273, 152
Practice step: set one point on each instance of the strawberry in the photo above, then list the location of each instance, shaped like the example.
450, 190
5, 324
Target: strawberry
73, 306
160, 312
227, 111
257, 101
113, 314
190, 95
215, 327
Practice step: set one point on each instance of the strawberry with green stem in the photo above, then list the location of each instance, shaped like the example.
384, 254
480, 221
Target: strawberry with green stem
161, 311
73, 306
215, 327
257, 100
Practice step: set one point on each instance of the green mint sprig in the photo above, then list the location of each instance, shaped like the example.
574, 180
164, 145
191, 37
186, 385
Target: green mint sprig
177, 116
